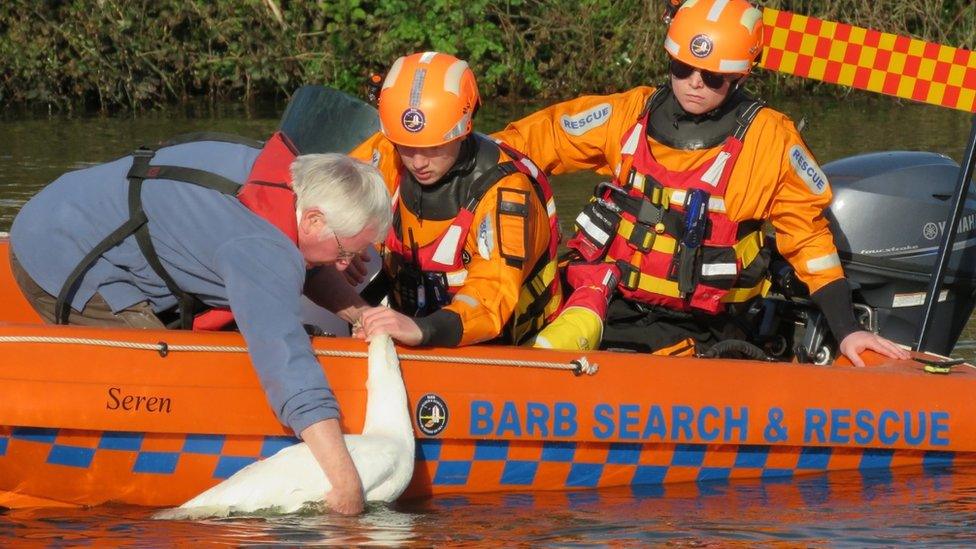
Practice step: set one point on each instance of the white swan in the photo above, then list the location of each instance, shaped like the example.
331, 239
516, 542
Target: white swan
286, 481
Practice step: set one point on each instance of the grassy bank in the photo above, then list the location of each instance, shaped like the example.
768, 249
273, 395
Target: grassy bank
108, 54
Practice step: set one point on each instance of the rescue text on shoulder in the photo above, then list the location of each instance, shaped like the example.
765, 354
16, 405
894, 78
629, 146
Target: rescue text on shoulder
582, 122
808, 170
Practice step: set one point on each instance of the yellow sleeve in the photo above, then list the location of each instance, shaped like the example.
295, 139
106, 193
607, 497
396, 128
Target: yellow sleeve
503, 246
580, 134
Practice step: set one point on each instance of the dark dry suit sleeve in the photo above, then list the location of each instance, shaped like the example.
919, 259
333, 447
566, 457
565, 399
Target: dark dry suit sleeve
834, 299
442, 328
263, 279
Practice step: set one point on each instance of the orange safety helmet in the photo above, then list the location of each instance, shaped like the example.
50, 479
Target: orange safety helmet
428, 99
723, 36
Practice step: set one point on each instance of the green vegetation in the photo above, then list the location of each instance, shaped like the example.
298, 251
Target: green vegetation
107, 54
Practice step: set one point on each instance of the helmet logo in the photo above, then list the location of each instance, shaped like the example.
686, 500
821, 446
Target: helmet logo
413, 120
701, 46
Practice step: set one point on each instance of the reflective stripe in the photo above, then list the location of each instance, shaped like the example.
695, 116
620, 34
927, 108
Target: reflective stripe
391, 77
428, 56
551, 207
639, 181
672, 46
452, 78
715, 203
713, 175
823, 263
631, 145
734, 65
531, 167
717, 7
466, 299
458, 128
457, 278
719, 269
447, 249
417, 87
587, 226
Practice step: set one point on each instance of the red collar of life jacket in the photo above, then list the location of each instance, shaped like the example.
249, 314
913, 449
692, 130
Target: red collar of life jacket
267, 192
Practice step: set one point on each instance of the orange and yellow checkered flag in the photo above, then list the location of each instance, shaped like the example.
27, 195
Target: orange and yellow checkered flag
869, 60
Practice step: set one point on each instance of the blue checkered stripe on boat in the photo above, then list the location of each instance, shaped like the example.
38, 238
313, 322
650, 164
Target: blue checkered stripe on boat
147, 461
587, 473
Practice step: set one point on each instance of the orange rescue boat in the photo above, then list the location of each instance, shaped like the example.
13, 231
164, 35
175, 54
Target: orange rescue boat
89, 416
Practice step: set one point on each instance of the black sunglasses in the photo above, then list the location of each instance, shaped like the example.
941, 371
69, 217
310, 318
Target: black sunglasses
711, 79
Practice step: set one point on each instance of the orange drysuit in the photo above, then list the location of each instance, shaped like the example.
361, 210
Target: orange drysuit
503, 283
775, 177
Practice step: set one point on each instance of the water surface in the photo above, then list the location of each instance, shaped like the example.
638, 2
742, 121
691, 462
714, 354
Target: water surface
916, 506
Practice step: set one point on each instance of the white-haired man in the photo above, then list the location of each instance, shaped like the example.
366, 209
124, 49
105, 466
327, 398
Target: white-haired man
79, 252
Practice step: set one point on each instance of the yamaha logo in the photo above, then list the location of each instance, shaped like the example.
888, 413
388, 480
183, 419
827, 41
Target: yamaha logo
930, 231
431, 414
701, 46
413, 120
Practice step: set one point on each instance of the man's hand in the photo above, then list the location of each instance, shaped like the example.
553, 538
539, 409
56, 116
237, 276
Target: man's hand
356, 272
329, 448
857, 342
384, 320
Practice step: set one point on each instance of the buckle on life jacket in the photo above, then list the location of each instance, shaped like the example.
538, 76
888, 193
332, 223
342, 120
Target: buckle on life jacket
642, 237
629, 275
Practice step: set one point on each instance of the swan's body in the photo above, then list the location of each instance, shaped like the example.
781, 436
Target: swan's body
284, 482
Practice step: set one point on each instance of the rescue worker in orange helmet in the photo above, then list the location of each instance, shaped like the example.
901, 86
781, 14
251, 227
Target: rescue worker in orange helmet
471, 256
674, 240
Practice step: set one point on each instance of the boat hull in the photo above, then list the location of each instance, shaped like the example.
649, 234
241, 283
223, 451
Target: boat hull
89, 416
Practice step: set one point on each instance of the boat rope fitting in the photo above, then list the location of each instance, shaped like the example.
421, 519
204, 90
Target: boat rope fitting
583, 366
578, 366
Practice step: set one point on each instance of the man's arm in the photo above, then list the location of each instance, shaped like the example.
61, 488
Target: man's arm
325, 440
330, 289
262, 278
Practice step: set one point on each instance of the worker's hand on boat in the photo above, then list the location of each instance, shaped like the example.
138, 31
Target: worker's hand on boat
384, 320
860, 341
356, 272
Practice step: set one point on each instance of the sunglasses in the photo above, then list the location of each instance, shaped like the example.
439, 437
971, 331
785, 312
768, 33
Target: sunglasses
711, 79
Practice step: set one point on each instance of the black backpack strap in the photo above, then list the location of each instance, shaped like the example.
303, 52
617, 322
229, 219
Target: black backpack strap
201, 178
485, 181
137, 224
63, 305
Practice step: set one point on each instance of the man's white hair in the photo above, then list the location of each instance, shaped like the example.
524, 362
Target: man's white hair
350, 193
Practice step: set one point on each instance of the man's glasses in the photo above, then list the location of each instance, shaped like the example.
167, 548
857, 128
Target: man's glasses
343, 255
711, 79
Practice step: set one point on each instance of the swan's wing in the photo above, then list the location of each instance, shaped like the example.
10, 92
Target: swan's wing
283, 481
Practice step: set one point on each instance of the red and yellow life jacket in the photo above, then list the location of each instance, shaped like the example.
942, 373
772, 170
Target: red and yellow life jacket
668, 232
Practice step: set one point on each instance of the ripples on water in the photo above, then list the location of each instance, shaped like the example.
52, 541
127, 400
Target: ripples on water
912, 506
849, 509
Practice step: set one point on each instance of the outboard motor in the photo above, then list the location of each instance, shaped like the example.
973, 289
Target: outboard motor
888, 215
